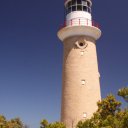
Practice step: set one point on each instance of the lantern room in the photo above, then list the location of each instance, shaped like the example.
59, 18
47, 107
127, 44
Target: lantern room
78, 5
78, 20
78, 11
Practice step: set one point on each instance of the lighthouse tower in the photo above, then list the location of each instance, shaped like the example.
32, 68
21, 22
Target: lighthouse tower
81, 86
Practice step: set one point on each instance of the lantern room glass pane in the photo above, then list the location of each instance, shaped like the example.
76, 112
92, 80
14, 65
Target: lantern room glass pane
78, 1
69, 4
73, 8
89, 10
74, 2
79, 7
88, 3
84, 3
84, 8
69, 10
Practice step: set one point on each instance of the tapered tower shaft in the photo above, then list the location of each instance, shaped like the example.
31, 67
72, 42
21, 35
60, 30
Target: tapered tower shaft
81, 86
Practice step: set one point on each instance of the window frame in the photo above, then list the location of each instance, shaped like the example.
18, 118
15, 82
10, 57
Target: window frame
84, 6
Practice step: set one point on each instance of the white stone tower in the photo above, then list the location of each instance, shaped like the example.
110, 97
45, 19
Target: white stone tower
81, 86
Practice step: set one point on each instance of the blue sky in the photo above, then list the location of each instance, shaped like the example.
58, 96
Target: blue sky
31, 55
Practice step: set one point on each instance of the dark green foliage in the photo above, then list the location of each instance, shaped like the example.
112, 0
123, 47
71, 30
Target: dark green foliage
13, 123
108, 115
108, 106
123, 92
44, 124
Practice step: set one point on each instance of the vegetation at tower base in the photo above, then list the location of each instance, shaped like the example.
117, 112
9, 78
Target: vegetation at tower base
44, 124
13, 123
123, 92
108, 115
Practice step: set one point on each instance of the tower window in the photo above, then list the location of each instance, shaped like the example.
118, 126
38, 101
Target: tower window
81, 43
84, 114
82, 53
83, 82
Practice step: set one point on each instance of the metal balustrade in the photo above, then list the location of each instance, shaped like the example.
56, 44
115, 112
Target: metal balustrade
80, 22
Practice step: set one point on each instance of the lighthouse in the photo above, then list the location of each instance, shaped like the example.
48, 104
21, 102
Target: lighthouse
81, 77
